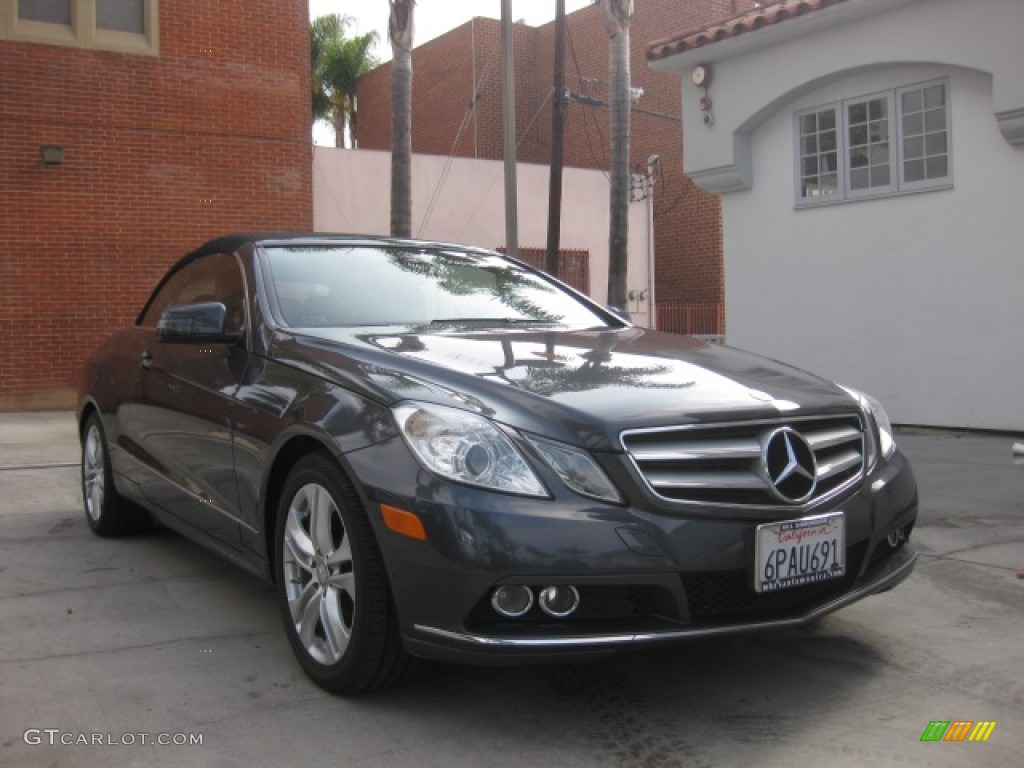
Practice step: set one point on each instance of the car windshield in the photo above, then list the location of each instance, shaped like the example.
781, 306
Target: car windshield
322, 286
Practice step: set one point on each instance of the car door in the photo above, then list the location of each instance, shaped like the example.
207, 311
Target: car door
184, 412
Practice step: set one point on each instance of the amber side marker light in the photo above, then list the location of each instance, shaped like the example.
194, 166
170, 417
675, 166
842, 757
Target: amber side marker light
405, 523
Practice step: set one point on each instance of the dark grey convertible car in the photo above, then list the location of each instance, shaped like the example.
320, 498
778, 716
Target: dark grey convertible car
438, 452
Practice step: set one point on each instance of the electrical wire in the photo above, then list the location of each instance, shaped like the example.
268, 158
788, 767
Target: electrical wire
477, 90
598, 163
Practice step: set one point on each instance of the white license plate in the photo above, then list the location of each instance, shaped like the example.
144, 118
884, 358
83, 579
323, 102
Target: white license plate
798, 552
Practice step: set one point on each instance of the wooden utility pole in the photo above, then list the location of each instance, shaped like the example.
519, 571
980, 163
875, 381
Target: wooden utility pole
616, 15
557, 133
508, 91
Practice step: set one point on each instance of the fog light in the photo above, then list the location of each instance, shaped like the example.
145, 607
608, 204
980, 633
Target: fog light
895, 538
559, 602
512, 600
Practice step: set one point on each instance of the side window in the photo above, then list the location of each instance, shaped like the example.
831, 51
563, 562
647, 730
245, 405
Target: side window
210, 278
161, 300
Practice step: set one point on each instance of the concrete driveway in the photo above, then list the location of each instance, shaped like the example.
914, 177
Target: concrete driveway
109, 647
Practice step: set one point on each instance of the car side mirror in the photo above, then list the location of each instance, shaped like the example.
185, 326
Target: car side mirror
195, 324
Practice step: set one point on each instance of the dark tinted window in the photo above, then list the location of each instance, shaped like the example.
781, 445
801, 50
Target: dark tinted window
56, 11
322, 286
121, 15
210, 278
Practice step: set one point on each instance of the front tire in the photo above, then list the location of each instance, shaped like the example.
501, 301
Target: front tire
106, 512
332, 585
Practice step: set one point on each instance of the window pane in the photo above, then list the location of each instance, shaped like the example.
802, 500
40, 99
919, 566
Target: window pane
912, 101
880, 176
857, 113
935, 143
935, 120
54, 11
876, 109
879, 154
858, 158
859, 179
913, 170
913, 124
936, 167
925, 138
121, 15
858, 135
913, 148
935, 96
817, 153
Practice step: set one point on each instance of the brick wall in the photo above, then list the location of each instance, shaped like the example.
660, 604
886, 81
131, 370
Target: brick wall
688, 227
161, 153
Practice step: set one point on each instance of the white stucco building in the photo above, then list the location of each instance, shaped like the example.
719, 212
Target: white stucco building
870, 158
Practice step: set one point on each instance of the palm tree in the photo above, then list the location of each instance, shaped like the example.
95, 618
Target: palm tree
616, 15
400, 31
336, 64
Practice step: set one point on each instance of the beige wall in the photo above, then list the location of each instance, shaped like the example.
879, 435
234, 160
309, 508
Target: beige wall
461, 200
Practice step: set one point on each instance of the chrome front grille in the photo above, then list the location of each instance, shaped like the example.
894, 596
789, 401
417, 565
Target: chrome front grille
726, 463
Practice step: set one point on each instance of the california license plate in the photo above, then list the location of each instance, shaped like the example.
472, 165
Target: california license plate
798, 552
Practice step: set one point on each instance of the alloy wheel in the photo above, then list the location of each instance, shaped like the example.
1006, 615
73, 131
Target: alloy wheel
320, 581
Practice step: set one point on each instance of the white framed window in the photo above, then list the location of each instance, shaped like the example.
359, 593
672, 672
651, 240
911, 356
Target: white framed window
924, 131
126, 26
887, 143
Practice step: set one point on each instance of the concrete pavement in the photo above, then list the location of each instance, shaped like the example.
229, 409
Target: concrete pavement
114, 645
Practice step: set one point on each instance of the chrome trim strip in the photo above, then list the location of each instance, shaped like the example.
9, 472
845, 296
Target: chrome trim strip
839, 464
683, 479
731, 449
581, 641
778, 421
831, 438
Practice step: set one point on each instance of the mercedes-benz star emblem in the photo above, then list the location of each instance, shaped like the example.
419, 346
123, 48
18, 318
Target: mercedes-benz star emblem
790, 465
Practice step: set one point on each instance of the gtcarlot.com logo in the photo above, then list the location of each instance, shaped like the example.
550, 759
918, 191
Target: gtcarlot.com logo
55, 737
958, 730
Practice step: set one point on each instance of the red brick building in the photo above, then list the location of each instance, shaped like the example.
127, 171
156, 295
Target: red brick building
687, 221
170, 122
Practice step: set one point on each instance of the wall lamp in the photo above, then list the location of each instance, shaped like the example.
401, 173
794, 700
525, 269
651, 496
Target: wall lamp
51, 154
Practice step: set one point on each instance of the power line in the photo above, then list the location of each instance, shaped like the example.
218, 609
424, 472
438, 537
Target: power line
451, 152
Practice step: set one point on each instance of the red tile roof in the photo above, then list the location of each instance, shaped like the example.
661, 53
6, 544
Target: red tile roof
771, 13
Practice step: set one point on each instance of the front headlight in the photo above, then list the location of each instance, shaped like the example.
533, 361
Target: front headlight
885, 442
466, 448
577, 469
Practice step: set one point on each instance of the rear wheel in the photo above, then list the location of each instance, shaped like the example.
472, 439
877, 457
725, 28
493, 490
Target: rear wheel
107, 513
332, 584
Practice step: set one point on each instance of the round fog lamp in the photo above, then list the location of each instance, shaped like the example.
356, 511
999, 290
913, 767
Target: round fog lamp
512, 600
559, 602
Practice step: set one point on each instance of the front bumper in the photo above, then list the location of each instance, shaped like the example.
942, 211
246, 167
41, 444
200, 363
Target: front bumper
646, 573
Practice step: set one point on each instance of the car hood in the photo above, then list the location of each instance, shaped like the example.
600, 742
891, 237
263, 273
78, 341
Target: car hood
582, 387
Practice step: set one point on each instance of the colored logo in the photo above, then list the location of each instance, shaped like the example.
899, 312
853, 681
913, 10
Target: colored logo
958, 730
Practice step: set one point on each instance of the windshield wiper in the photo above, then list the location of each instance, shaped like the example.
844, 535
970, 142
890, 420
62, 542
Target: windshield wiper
494, 320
